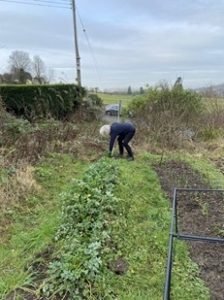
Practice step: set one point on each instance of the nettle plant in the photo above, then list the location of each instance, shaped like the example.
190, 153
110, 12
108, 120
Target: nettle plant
83, 233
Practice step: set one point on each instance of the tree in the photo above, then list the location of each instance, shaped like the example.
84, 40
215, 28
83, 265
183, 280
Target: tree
39, 69
178, 83
21, 69
6, 78
20, 60
141, 90
20, 66
129, 90
23, 76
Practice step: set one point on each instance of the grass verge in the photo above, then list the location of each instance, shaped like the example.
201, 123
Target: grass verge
33, 230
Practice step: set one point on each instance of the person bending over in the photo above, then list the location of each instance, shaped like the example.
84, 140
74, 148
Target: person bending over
123, 132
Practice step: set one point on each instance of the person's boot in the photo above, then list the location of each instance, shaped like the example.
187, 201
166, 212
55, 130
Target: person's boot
130, 158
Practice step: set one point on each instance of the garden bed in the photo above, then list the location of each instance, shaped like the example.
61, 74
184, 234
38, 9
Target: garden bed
199, 214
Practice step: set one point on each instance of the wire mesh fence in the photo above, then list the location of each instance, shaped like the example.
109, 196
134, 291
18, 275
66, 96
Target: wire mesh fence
197, 217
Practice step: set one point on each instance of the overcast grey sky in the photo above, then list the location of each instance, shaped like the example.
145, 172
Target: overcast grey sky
135, 42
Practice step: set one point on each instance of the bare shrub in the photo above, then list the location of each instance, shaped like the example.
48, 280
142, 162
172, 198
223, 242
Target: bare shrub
167, 116
20, 139
43, 138
87, 145
91, 109
212, 119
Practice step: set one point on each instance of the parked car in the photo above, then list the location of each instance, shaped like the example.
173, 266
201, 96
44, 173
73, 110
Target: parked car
112, 109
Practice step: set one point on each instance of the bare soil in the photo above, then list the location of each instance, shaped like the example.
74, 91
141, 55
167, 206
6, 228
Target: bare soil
199, 213
38, 267
119, 266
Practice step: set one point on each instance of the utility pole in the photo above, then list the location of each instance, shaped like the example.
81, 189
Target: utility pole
78, 66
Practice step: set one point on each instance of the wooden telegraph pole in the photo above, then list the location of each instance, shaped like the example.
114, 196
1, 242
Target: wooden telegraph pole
78, 65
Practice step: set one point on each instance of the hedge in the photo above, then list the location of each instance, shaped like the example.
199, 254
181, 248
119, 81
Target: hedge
41, 101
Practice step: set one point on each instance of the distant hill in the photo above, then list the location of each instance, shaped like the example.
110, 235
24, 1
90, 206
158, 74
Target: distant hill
213, 90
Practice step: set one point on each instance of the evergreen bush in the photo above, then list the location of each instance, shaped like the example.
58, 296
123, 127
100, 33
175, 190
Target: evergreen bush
41, 101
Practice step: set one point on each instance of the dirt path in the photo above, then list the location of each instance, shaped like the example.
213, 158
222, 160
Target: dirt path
199, 214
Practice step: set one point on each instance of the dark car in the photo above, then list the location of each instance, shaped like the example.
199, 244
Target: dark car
112, 109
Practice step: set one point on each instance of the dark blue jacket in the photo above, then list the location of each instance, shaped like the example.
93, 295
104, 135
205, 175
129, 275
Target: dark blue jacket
119, 130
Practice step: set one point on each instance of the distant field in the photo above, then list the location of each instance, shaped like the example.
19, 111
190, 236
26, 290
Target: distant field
214, 103
211, 104
115, 98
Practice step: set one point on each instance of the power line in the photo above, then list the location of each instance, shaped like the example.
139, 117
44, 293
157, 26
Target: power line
60, 2
35, 4
66, 1
90, 47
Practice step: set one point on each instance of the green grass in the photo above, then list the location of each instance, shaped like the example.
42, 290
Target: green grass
33, 231
208, 170
140, 229
115, 98
213, 103
142, 232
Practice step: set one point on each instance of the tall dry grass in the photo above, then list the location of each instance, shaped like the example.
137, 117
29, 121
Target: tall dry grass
16, 188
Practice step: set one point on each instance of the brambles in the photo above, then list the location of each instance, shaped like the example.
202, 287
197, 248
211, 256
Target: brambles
184, 105
166, 115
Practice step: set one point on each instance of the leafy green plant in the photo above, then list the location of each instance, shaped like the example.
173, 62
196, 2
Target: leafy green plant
83, 233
